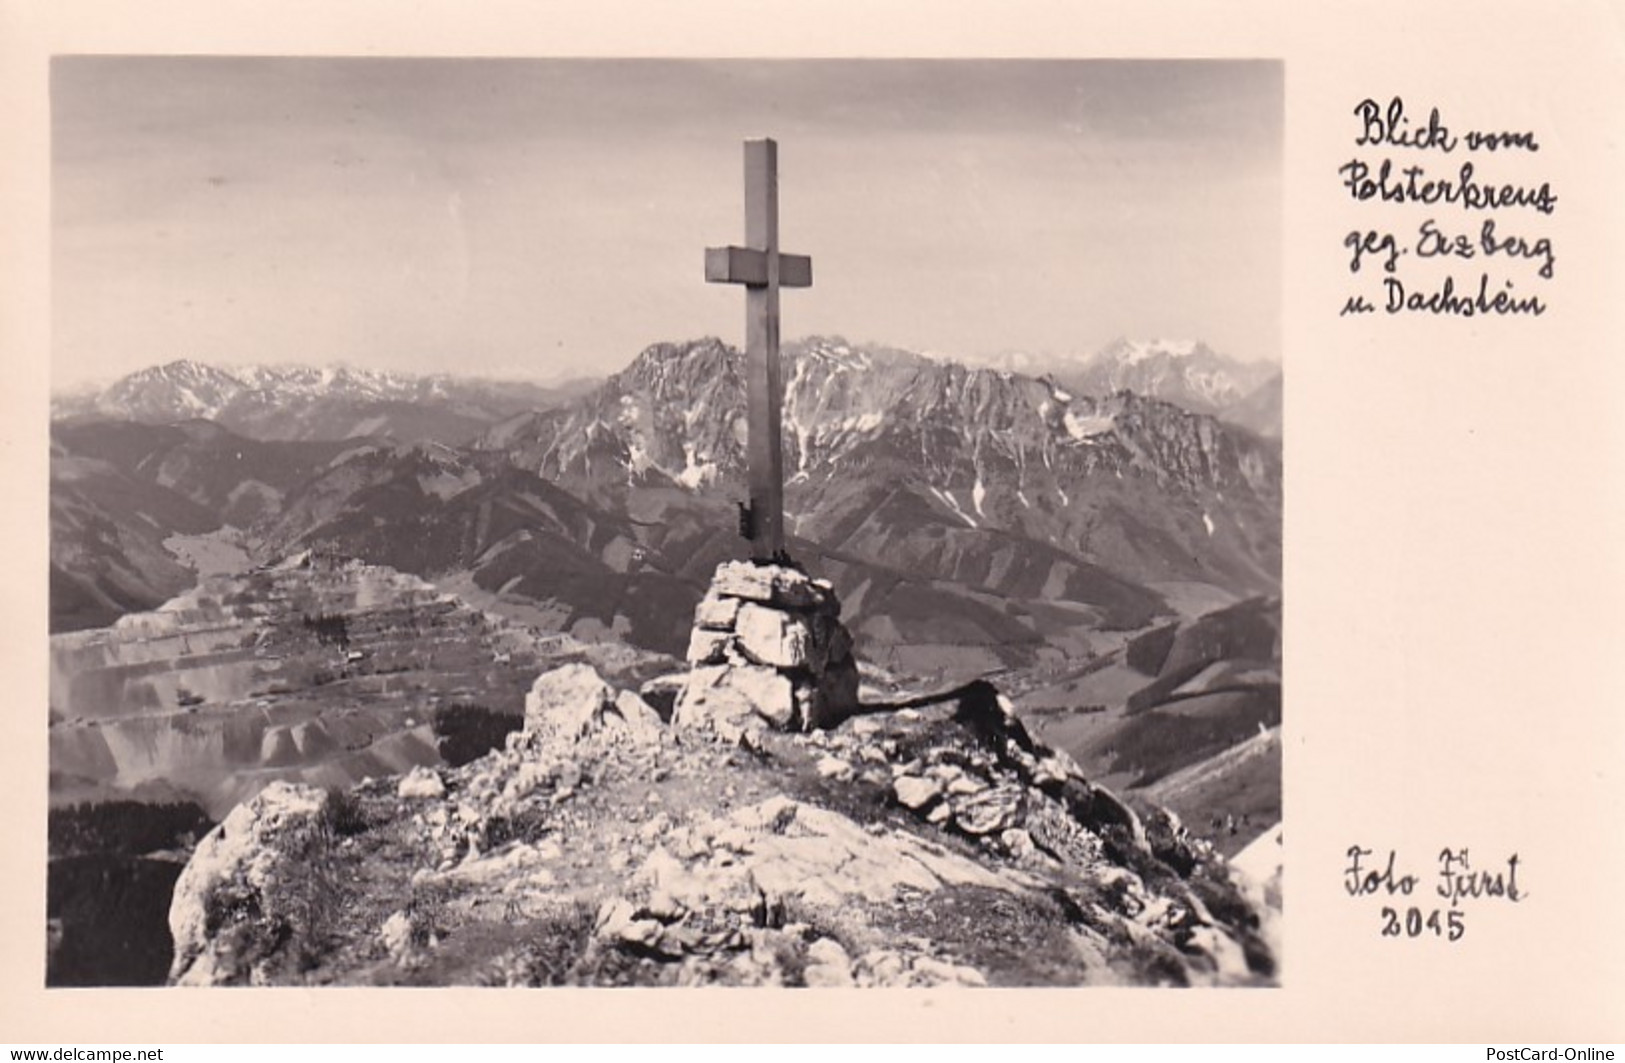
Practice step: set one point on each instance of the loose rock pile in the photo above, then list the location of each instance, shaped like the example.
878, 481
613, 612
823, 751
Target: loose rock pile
768, 649
921, 846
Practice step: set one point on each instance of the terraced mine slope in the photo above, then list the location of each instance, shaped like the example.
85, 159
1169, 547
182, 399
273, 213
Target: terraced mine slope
316, 670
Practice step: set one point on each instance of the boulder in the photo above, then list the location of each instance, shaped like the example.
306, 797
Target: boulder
769, 693
706, 646
959, 783
707, 702
730, 699
829, 767
638, 718
914, 791
716, 613
619, 922
572, 703
774, 584
566, 702
778, 638
254, 901
829, 966
420, 783
1018, 843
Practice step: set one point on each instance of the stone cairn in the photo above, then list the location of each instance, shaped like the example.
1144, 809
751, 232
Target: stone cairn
768, 648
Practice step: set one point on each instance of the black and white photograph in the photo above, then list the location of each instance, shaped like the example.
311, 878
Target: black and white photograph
529, 522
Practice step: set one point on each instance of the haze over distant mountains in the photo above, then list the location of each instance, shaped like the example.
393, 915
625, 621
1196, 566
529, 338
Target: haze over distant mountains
311, 402
307, 402
953, 506
1186, 372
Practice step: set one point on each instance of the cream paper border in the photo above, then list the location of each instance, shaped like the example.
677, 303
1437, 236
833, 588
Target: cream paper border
1454, 538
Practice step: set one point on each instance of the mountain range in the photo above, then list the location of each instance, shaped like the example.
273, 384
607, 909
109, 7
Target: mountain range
973, 517
305, 402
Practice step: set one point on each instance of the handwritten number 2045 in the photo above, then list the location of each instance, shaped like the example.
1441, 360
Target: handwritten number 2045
1414, 923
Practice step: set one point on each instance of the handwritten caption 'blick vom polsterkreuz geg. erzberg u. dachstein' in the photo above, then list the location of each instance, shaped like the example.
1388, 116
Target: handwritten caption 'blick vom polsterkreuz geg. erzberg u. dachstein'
1445, 201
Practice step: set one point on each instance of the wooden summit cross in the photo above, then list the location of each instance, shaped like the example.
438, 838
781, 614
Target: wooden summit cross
763, 271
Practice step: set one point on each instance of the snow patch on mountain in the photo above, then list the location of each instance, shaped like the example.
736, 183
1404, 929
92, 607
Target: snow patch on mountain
1133, 352
695, 474
637, 459
1187, 373
952, 503
1087, 425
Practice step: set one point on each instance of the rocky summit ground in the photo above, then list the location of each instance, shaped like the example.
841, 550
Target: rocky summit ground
917, 844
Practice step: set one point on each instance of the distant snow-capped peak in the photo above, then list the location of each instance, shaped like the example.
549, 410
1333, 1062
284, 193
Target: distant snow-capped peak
1133, 352
302, 379
1185, 372
187, 388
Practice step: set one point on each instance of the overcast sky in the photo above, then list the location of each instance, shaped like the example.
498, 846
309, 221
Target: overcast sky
547, 218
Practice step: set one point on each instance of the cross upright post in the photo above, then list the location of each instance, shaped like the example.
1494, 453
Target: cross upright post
763, 270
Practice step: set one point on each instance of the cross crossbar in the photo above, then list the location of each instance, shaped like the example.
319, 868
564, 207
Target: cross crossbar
748, 266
